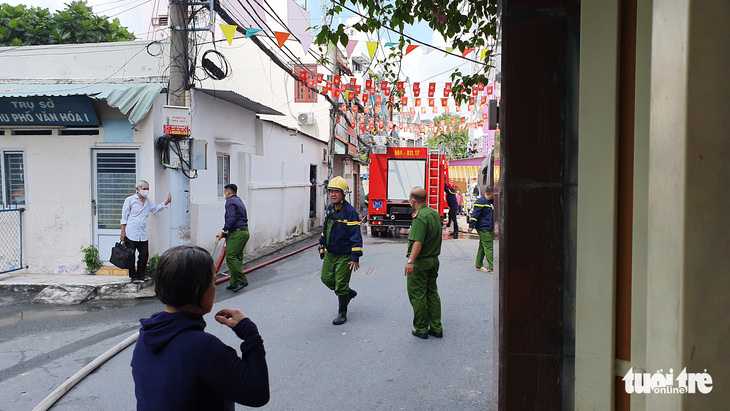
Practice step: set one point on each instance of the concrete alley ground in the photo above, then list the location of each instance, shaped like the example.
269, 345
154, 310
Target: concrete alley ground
371, 362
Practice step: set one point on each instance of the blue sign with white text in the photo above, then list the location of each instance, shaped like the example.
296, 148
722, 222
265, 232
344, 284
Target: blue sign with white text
47, 111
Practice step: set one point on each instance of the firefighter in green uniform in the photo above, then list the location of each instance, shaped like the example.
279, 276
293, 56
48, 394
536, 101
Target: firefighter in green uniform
422, 267
341, 246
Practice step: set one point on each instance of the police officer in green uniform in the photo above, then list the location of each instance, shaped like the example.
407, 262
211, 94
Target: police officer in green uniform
422, 266
341, 246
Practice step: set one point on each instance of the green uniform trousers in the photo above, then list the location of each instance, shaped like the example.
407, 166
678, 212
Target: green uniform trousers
234, 256
424, 295
485, 248
336, 272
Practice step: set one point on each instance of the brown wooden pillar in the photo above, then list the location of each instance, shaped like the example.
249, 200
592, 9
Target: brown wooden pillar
539, 82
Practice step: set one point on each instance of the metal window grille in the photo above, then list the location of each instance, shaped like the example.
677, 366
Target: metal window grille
11, 240
116, 176
302, 94
12, 179
224, 172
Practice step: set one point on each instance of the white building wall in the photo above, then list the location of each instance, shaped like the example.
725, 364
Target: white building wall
58, 220
270, 166
255, 76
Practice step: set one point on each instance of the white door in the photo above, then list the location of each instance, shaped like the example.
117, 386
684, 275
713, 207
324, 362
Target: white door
115, 173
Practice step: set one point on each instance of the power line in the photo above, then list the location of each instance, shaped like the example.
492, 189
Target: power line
411, 38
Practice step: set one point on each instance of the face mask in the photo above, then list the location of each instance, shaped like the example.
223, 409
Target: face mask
144, 193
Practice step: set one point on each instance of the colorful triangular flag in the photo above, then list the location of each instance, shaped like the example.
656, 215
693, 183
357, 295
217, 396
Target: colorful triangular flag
391, 44
410, 48
350, 47
467, 51
372, 47
281, 37
229, 31
306, 41
251, 31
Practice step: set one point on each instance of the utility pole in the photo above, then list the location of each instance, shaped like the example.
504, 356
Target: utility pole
179, 183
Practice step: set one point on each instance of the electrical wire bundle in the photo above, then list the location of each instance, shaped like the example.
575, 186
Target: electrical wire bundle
166, 144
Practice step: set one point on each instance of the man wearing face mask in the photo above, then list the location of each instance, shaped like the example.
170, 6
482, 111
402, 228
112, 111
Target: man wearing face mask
135, 211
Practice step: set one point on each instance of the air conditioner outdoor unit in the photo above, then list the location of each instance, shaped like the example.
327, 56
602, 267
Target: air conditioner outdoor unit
305, 119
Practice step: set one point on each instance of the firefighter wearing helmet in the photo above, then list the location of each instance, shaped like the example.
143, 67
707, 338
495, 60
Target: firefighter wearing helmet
340, 245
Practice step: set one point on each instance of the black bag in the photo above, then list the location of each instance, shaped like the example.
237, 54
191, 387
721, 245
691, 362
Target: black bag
121, 255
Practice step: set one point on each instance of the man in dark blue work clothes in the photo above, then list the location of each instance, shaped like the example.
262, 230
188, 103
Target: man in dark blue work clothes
236, 229
453, 207
482, 218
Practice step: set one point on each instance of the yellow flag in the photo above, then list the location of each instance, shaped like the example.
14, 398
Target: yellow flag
372, 46
228, 31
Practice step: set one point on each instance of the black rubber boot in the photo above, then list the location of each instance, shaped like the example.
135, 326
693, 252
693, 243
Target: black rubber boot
342, 314
352, 294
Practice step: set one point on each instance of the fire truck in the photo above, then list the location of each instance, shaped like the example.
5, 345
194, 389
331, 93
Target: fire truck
394, 171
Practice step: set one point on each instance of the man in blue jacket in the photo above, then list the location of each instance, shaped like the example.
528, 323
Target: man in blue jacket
482, 218
341, 245
236, 229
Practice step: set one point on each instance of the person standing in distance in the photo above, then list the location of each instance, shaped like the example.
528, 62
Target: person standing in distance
235, 229
450, 190
135, 211
341, 245
482, 219
422, 267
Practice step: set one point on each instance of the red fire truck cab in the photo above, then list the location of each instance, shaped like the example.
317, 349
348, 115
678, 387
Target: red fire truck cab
393, 173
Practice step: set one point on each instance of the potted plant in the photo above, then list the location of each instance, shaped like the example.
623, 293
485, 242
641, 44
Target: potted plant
152, 266
91, 259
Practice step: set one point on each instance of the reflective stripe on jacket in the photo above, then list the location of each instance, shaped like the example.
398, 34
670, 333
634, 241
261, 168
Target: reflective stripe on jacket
481, 217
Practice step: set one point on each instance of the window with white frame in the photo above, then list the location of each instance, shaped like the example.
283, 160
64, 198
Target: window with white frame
12, 178
224, 172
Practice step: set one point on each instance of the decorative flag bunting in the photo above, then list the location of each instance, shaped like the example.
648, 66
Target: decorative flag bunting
410, 48
391, 44
372, 47
229, 31
467, 51
281, 37
350, 47
251, 31
306, 41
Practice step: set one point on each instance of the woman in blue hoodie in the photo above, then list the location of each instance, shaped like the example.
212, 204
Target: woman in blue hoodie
176, 365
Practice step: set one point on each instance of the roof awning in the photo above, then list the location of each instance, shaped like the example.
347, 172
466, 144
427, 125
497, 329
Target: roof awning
463, 173
134, 100
241, 101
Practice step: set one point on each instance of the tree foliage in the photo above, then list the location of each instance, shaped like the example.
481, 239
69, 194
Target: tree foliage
25, 26
465, 24
456, 142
